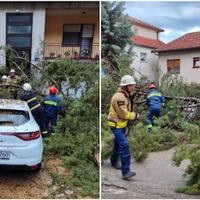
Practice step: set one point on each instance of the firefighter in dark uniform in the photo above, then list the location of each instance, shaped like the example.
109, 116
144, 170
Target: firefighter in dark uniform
154, 101
52, 105
36, 109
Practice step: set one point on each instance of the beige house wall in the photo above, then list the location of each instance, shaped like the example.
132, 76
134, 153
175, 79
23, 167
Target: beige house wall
54, 26
145, 32
188, 73
148, 68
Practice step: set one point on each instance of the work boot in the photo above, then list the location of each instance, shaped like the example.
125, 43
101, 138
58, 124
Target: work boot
117, 165
149, 130
128, 175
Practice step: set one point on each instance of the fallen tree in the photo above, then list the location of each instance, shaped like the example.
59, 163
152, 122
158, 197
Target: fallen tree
77, 134
174, 129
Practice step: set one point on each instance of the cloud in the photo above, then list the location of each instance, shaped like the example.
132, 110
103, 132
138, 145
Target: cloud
176, 18
193, 29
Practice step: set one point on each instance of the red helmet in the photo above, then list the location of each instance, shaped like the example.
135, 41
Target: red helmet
53, 90
152, 86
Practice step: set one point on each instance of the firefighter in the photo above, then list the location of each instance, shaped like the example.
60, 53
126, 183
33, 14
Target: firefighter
154, 102
12, 80
36, 109
4, 79
4, 93
52, 104
119, 116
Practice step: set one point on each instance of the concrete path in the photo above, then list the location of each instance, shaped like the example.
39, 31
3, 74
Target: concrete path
155, 178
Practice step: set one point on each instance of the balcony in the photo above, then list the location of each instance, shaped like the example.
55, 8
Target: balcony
57, 51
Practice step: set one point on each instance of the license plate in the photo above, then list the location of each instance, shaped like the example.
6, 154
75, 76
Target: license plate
5, 155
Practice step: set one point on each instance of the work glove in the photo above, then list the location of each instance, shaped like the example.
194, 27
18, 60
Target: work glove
137, 116
131, 122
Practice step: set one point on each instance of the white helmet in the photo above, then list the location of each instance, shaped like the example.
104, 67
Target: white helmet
27, 87
12, 71
127, 80
4, 77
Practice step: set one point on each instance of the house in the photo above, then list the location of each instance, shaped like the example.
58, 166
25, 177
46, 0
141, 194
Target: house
145, 39
72, 29
182, 56
50, 30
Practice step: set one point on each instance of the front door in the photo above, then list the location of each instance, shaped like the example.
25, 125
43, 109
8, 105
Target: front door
19, 36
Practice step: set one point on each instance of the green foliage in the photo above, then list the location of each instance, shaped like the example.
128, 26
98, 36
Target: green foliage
107, 136
71, 76
190, 150
76, 152
77, 133
139, 142
192, 190
15, 59
116, 32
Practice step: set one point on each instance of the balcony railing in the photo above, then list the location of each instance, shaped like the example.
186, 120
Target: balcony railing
56, 51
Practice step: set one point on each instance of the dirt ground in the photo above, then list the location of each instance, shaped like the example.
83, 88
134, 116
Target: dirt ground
23, 185
155, 178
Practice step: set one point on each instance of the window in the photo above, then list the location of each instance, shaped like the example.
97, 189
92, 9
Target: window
72, 35
18, 29
143, 57
80, 35
173, 66
13, 117
196, 62
19, 35
19, 41
87, 38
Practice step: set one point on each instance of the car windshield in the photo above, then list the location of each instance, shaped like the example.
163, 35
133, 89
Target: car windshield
13, 117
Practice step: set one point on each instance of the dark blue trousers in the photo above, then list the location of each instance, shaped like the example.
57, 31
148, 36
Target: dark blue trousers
51, 122
150, 114
39, 117
121, 149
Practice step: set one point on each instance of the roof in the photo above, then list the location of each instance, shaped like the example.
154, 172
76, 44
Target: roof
186, 42
12, 104
144, 24
146, 42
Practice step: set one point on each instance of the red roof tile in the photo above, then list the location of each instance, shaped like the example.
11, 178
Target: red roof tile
144, 24
142, 41
186, 42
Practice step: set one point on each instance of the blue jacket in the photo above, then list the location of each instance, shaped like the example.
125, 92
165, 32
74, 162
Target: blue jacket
52, 104
31, 98
154, 99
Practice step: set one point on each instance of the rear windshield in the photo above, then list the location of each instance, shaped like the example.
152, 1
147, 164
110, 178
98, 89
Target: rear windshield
13, 117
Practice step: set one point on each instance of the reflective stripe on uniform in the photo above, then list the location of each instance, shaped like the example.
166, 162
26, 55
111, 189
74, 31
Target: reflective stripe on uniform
34, 98
52, 103
38, 105
149, 126
120, 124
154, 95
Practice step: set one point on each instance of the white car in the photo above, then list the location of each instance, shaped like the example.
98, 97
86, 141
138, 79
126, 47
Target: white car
20, 137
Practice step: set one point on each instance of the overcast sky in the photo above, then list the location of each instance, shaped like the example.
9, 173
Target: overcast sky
176, 18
